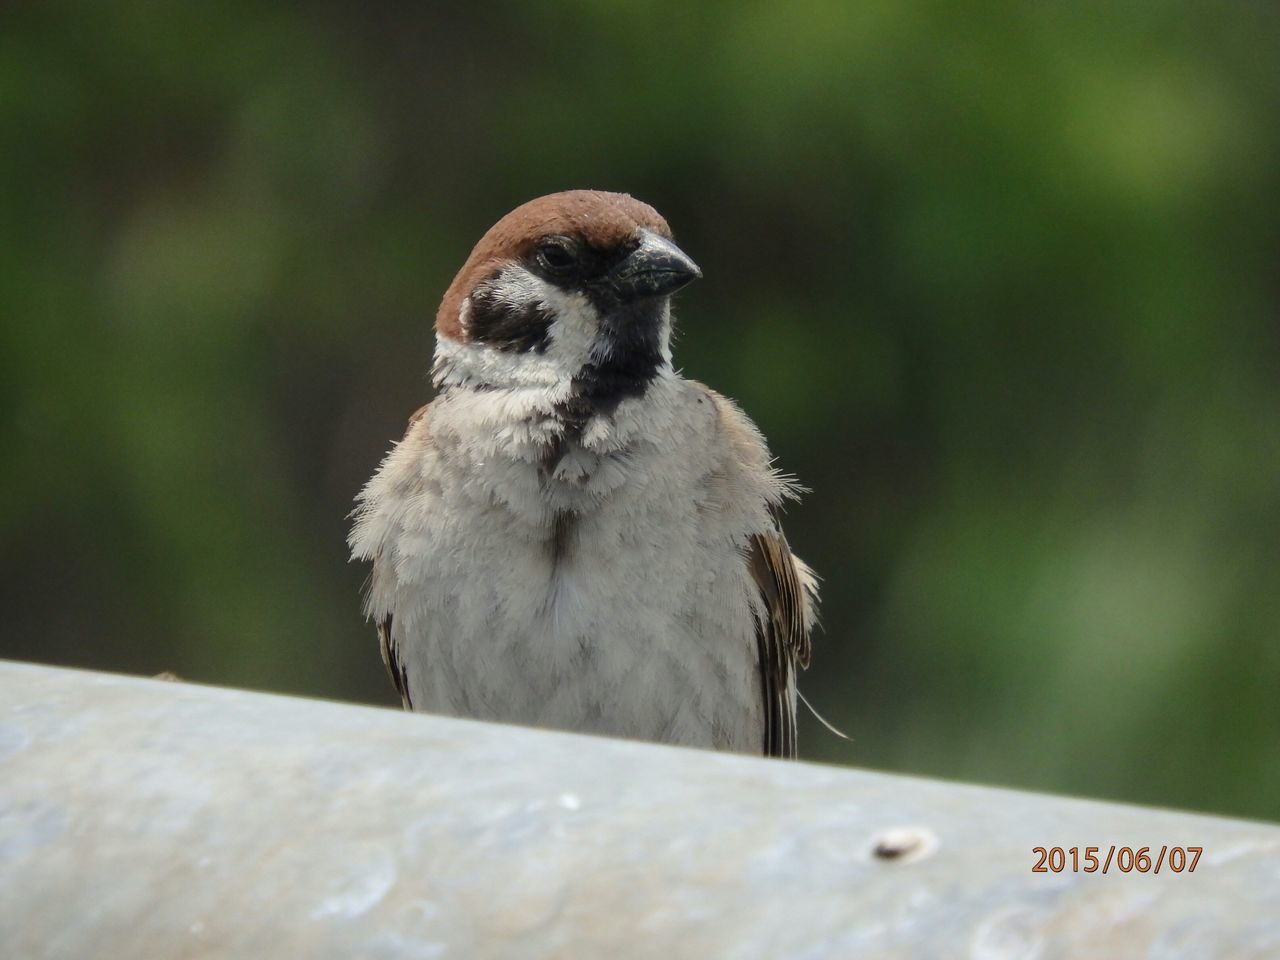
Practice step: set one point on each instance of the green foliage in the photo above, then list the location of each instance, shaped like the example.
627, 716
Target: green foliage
997, 280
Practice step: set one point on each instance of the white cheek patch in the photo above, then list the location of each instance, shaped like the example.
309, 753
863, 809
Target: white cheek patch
568, 345
664, 335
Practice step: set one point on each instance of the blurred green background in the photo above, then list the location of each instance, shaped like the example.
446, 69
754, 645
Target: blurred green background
999, 282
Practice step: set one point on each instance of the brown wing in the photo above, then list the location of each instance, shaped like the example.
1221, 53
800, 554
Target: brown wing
782, 637
386, 639
394, 665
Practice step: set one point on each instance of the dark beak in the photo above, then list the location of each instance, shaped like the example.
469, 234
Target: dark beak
656, 268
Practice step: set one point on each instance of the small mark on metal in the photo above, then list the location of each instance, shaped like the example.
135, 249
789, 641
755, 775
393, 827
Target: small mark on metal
570, 801
905, 844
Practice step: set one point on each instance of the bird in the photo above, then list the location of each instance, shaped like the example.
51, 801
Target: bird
571, 534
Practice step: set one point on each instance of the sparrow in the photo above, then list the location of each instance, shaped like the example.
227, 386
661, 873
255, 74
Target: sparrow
571, 534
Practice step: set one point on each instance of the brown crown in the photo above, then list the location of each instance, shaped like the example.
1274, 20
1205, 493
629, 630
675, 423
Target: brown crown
602, 219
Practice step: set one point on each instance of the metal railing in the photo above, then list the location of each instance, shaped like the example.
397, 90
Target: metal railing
141, 819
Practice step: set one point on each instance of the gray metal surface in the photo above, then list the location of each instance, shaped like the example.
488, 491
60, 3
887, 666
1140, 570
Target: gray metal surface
163, 820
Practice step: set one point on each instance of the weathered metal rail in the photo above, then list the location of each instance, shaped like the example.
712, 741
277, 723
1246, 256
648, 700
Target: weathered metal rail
141, 819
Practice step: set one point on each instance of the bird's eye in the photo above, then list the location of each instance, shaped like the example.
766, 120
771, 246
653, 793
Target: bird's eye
557, 257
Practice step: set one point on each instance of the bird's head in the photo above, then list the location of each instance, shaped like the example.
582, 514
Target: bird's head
569, 291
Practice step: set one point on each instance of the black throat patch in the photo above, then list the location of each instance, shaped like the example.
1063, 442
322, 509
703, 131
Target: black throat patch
624, 359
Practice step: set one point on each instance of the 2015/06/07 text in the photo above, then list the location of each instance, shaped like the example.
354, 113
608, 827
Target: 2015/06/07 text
1124, 859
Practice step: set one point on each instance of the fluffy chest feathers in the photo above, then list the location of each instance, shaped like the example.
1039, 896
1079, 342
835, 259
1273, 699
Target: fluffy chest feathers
589, 575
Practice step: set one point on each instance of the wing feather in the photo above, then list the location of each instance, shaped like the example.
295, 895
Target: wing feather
395, 666
386, 636
782, 635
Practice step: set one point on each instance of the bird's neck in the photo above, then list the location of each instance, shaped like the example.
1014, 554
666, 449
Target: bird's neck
605, 414
528, 386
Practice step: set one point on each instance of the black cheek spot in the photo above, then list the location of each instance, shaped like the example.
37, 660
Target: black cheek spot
518, 328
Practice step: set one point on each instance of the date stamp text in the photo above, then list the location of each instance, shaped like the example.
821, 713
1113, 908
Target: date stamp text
1120, 859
